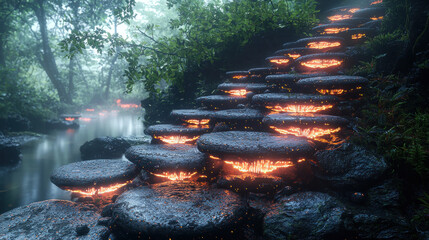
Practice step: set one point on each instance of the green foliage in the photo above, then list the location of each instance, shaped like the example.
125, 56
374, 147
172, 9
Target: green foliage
377, 45
421, 218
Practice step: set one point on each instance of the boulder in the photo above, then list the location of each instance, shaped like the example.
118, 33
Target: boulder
52, 219
104, 147
9, 151
349, 167
305, 215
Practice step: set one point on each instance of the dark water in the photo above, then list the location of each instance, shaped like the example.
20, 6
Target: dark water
29, 182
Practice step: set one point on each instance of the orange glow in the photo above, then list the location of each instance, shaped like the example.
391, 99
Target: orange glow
118, 101
279, 61
70, 119
101, 114
377, 2
339, 17
358, 36
353, 10
260, 166
215, 158
131, 105
334, 30
176, 177
85, 119
100, 190
238, 76
322, 63
377, 18
176, 139
331, 91
299, 108
197, 121
238, 92
306, 132
323, 45
294, 56
90, 109
301, 160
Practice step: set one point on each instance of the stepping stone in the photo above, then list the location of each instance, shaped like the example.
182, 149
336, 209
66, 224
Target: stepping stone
358, 35
178, 210
173, 162
297, 52
192, 116
237, 76
322, 62
373, 24
242, 89
331, 29
52, 219
286, 82
94, 176
259, 74
348, 87
295, 102
324, 44
373, 13
255, 145
353, 22
281, 62
343, 10
240, 119
307, 125
218, 102
175, 134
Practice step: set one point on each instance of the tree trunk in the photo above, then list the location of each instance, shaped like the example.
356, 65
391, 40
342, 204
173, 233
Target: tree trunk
47, 59
112, 64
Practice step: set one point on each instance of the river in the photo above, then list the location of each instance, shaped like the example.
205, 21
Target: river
29, 182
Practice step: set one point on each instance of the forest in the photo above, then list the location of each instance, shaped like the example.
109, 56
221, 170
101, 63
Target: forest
89, 58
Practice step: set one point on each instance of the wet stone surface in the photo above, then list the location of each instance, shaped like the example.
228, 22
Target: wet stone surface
181, 114
321, 28
94, 173
241, 116
305, 215
292, 98
255, 144
333, 82
304, 119
251, 87
159, 158
291, 52
52, 219
358, 35
169, 129
306, 41
178, 210
373, 12
349, 167
308, 59
216, 102
104, 147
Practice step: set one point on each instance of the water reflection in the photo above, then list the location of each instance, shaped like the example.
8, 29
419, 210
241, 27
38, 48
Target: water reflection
30, 182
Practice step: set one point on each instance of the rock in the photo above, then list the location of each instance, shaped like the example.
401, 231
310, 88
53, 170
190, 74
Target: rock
104, 221
304, 120
164, 158
339, 27
357, 197
60, 124
82, 230
51, 219
9, 151
237, 76
183, 115
104, 148
367, 224
137, 140
280, 62
240, 119
386, 195
15, 123
107, 210
331, 62
250, 183
216, 102
251, 87
170, 129
94, 174
255, 144
349, 167
305, 215
177, 210
306, 42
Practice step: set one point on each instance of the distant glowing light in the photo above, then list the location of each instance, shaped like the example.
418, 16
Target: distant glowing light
238, 76
69, 119
358, 36
85, 119
376, 2
377, 18
294, 56
90, 109
353, 10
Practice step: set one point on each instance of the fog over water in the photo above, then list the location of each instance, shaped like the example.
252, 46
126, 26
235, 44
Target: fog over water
29, 182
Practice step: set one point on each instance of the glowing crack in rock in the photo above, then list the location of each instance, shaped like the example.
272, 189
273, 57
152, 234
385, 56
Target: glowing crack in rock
353, 10
376, 2
100, 190
238, 92
175, 176
311, 133
69, 119
299, 108
358, 36
331, 91
215, 158
334, 30
238, 76
294, 56
176, 139
279, 61
323, 45
197, 121
339, 17
322, 63
259, 166
377, 18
